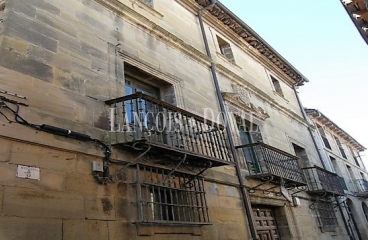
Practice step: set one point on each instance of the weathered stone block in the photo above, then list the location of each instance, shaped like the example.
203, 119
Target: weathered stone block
126, 210
56, 22
5, 150
32, 31
30, 155
230, 202
232, 231
14, 228
100, 208
1, 198
49, 180
87, 185
93, 51
25, 202
224, 214
25, 65
85, 229
15, 44
117, 229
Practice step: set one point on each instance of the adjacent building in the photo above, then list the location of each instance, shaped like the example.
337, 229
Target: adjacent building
341, 154
357, 10
167, 119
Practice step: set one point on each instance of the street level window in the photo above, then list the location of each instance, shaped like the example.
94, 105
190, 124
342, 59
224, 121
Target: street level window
225, 49
326, 216
170, 197
277, 86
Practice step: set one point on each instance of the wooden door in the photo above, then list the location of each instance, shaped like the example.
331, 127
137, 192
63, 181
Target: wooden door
265, 224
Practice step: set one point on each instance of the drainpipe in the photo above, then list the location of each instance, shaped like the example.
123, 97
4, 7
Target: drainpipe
346, 221
306, 119
320, 157
245, 196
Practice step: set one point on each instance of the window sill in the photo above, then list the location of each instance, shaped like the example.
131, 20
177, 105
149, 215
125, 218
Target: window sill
280, 95
228, 60
147, 8
151, 228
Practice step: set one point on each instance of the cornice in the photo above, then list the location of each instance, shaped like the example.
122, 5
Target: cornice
250, 39
322, 120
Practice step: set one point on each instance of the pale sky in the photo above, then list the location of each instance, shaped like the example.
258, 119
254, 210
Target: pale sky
319, 39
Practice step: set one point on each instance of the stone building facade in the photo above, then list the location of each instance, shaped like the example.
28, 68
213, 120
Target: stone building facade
342, 155
165, 119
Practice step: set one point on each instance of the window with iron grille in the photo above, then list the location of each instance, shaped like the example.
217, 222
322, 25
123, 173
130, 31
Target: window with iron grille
326, 216
170, 197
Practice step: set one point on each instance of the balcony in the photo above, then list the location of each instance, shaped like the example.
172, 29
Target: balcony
321, 181
270, 164
170, 131
362, 186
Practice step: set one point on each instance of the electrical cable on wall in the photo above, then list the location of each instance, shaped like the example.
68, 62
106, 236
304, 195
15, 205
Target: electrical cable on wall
58, 131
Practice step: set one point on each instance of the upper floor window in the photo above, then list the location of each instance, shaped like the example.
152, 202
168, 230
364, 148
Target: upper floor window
225, 49
324, 138
355, 157
276, 86
339, 145
148, 2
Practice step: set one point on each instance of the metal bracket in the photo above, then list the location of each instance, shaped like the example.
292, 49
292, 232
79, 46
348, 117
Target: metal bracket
339, 203
114, 177
300, 189
267, 180
267, 191
175, 168
199, 173
318, 199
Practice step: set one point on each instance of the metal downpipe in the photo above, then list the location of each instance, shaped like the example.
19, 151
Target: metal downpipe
309, 130
245, 197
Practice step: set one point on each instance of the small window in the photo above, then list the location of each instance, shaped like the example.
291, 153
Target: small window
323, 136
225, 49
148, 2
277, 86
167, 197
300, 153
339, 145
354, 157
326, 216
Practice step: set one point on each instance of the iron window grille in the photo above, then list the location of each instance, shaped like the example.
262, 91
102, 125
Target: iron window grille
164, 196
326, 216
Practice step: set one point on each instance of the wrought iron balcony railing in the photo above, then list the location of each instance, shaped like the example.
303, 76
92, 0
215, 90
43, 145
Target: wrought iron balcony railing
168, 130
362, 186
267, 163
321, 181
